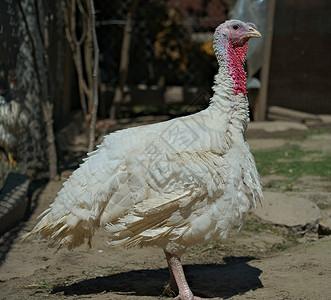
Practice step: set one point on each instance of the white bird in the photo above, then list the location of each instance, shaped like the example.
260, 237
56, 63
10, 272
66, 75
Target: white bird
173, 184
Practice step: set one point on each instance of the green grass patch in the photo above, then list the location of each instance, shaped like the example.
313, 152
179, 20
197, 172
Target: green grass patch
42, 285
323, 205
254, 225
318, 131
285, 184
293, 161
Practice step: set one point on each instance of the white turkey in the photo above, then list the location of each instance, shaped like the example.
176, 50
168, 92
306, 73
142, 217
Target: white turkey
173, 184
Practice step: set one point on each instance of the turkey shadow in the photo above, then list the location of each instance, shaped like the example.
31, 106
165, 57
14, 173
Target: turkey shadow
206, 280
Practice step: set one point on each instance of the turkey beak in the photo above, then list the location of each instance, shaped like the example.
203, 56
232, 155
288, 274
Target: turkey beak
252, 32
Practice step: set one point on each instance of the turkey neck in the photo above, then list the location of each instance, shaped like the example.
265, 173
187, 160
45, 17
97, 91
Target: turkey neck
230, 95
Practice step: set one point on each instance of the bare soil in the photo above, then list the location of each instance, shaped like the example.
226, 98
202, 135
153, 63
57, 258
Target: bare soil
260, 262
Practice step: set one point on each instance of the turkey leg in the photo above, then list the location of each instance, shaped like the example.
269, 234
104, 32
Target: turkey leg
177, 275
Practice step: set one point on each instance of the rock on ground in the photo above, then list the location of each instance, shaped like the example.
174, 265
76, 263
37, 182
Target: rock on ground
276, 129
288, 210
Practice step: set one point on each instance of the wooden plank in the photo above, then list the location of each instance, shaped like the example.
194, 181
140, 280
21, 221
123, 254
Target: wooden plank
281, 113
261, 103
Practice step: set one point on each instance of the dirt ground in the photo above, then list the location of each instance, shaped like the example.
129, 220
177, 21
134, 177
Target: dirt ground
260, 262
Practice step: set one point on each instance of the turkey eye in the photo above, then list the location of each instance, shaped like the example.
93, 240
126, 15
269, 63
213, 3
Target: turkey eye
235, 27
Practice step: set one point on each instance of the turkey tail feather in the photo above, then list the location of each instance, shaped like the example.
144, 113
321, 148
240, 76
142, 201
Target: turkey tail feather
74, 216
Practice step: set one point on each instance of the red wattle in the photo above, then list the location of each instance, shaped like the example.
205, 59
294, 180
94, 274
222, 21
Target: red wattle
236, 59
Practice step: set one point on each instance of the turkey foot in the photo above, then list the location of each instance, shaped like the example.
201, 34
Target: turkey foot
177, 276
